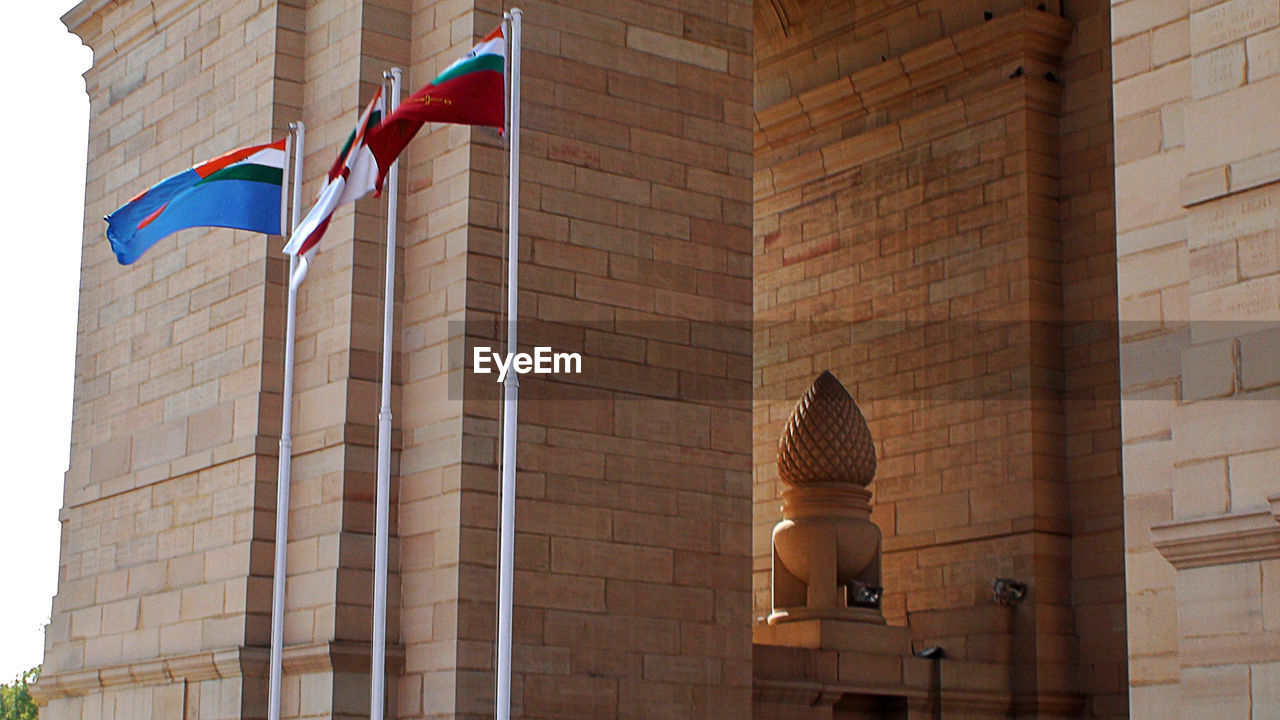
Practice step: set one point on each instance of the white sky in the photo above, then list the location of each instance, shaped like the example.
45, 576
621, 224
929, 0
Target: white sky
45, 127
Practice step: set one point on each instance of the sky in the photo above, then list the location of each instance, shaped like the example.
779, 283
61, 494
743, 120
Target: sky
42, 203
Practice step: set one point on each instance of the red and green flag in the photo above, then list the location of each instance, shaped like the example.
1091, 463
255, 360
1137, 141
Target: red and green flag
350, 179
468, 92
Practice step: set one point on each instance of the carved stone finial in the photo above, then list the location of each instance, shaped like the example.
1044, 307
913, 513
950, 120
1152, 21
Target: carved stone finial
826, 438
826, 550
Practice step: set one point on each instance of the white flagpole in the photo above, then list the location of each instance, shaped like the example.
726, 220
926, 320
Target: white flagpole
284, 184
297, 271
510, 393
382, 523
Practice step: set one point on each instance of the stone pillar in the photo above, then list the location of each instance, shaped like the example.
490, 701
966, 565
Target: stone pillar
163, 599
633, 569
633, 510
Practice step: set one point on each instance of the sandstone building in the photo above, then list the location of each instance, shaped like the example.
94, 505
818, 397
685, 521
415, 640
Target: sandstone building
1038, 241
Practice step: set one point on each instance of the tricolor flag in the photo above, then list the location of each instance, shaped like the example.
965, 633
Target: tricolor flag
239, 189
351, 178
468, 92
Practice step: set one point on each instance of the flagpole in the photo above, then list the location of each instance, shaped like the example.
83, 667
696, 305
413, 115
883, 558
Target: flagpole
510, 392
284, 185
382, 524
297, 271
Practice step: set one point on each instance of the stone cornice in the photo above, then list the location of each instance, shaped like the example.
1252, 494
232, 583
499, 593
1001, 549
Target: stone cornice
333, 656
79, 18
777, 186
86, 21
1026, 37
1221, 539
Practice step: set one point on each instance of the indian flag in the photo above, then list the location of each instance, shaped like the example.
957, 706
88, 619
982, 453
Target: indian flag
468, 92
350, 179
239, 189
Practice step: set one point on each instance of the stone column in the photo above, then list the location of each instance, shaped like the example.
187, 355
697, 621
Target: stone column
632, 583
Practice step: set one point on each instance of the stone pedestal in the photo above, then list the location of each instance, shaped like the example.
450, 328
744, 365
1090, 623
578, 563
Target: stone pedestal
824, 551
824, 669
813, 669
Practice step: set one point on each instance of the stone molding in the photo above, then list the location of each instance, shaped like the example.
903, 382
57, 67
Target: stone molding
1221, 539
85, 21
78, 18
1228, 180
335, 656
257, 446
1026, 34
247, 447
809, 693
973, 67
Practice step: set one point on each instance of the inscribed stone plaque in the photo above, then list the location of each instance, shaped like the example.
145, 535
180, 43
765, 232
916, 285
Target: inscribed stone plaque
1216, 71
1230, 21
1264, 55
1234, 217
1225, 312
1260, 255
1213, 266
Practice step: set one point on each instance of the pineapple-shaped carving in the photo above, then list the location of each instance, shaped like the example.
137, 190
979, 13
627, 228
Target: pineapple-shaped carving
826, 438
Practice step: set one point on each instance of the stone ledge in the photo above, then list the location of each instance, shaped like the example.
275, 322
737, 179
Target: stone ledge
1227, 180
875, 673
1244, 648
815, 694
261, 447
997, 703
835, 635
238, 449
1025, 37
1221, 539
336, 656
86, 22
785, 178
78, 19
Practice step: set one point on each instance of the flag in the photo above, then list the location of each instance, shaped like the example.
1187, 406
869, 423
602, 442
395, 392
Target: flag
350, 178
239, 189
468, 92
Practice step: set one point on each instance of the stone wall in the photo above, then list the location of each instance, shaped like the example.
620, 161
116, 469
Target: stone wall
632, 569
933, 224
1199, 283
172, 428
632, 575
1091, 386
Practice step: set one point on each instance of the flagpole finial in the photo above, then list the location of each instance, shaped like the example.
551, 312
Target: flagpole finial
392, 73
516, 12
